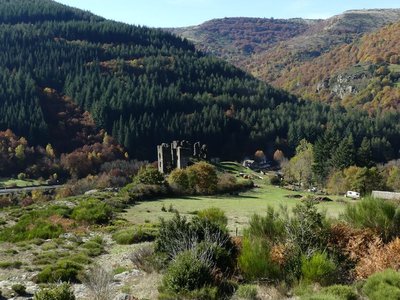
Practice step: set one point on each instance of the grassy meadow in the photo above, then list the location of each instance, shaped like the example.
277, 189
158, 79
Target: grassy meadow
238, 208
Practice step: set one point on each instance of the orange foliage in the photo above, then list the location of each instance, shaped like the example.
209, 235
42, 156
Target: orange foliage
379, 258
354, 243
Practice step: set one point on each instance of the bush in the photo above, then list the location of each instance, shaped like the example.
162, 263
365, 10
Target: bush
275, 180
214, 215
59, 292
307, 228
29, 228
140, 192
145, 259
92, 211
10, 264
178, 235
379, 257
227, 183
318, 268
344, 292
269, 227
187, 273
247, 291
134, 236
255, 261
149, 175
94, 247
203, 178
179, 181
383, 285
376, 214
19, 289
63, 270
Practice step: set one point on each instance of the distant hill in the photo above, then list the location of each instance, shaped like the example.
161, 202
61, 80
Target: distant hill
275, 61
362, 74
235, 39
66, 74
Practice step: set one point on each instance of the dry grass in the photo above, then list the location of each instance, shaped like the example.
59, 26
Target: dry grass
145, 286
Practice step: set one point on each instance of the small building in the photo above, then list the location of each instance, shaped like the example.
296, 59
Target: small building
178, 154
385, 195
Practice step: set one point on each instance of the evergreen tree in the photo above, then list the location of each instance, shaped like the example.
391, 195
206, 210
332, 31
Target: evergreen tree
344, 155
364, 154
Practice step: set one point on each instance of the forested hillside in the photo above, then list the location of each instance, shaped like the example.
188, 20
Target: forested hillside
296, 54
235, 39
363, 74
145, 86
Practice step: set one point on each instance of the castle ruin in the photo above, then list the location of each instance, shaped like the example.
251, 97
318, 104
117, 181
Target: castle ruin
178, 154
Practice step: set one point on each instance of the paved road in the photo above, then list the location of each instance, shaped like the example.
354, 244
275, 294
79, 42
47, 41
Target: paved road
29, 189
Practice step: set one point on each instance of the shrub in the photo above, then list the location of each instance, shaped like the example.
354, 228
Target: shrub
187, 273
134, 236
307, 228
63, 270
255, 261
149, 175
227, 183
344, 292
10, 264
94, 247
214, 215
145, 259
352, 242
247, 291
19, 289
334, 292
275, 180
99, 282
140, 192
178, 235
318, 268
92, 211
378, 258
270, 227
30, 227
179, 181
383, 285
203, 178
59, 292
376, 214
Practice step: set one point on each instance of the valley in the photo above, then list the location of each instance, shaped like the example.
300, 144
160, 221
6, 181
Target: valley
242, 158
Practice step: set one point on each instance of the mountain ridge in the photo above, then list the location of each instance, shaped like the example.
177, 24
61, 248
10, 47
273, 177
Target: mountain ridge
275, 60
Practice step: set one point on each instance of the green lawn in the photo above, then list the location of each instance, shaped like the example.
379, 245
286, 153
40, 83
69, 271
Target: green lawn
10, 182
237, 208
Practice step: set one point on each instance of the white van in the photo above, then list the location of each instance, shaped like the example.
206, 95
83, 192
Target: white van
353, 195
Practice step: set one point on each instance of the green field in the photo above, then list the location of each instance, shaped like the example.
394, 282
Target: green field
238, 209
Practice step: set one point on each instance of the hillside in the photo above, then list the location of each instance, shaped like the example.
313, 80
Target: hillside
363, 74
280, 61
145, 86
235, 39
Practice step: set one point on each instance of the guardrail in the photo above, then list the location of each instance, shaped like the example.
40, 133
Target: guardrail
13, 190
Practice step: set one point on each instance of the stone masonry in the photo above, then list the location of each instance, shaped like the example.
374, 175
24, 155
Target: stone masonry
178, 155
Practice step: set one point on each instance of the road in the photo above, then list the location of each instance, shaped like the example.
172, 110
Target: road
29, 189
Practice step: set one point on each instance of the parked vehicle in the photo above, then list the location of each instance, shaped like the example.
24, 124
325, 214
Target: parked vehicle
353, 195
